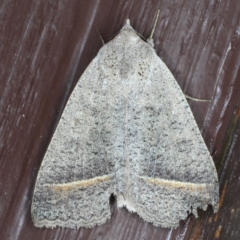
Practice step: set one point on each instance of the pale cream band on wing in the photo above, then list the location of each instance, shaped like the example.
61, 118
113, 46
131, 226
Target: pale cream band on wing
79, 184
190, 187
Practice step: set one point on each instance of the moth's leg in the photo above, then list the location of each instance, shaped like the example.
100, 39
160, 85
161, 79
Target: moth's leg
102, 40
150, 39
197, 99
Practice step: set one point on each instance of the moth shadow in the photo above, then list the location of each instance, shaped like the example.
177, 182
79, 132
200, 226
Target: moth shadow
112, 202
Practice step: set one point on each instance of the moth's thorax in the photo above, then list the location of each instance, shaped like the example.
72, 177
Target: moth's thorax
127, 64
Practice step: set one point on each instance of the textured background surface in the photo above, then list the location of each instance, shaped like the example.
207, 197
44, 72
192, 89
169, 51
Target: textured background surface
45, 47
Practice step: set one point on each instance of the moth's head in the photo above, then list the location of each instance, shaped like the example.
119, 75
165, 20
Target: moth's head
129, 33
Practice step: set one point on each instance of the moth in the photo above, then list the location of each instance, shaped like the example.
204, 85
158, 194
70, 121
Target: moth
126, 130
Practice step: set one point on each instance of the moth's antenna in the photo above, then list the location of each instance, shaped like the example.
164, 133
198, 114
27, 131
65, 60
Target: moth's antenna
154, 26
100, 36
150, 39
